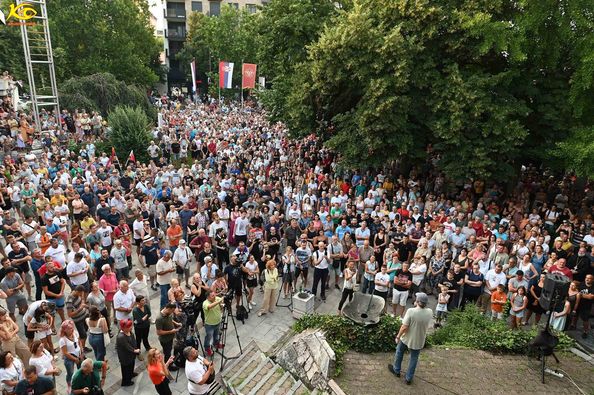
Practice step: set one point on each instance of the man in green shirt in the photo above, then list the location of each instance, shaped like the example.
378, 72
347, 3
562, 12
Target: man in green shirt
166, 330
91, 374
412, 335
212, 319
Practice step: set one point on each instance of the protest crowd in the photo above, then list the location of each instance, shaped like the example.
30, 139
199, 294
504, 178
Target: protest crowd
230, 206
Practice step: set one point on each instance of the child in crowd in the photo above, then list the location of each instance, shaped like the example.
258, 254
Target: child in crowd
441, 310
498, 300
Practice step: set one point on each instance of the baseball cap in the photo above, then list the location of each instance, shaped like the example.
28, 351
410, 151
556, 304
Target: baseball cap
421, 297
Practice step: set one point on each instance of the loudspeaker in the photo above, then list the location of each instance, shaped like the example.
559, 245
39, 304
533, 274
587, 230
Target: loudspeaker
554, 292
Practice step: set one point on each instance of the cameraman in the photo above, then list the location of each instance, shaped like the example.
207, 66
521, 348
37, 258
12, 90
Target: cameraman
234, 275
90, 378
179, 340
199, 372
213, 313
166, 330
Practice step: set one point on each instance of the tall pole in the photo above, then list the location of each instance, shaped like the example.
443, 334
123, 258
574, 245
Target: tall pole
219, 82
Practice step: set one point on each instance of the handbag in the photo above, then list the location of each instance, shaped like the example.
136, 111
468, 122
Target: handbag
106, 338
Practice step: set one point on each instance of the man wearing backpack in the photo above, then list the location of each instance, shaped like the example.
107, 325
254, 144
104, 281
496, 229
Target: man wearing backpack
320, 262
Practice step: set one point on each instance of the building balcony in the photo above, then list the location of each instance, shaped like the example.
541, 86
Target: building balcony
176, 35
175, 15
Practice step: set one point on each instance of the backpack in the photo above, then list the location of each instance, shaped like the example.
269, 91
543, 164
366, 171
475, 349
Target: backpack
242, 314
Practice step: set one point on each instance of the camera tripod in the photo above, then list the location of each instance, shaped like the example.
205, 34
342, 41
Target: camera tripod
291, 291
194, 342
224, 326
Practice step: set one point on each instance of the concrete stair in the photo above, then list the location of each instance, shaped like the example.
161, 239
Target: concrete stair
255, 374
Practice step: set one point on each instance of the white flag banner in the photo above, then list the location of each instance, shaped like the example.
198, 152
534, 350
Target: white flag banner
193, 67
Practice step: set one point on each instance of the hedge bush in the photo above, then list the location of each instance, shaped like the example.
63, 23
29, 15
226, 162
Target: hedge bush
471, 329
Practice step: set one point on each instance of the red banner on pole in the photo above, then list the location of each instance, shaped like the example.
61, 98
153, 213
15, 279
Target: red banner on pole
248, 76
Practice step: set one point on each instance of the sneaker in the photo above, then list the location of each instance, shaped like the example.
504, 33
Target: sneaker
131, 383
209, 352
391, 369
220, 346
408, 382
336, 286
584, 335
87, 349
140, 357
340, 275
253, 304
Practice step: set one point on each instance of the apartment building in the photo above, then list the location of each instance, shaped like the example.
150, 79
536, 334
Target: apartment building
170, 19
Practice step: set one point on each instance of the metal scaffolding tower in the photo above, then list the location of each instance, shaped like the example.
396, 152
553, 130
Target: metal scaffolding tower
39, 59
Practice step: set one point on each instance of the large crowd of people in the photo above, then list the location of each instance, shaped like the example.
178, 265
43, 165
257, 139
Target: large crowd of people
228, 207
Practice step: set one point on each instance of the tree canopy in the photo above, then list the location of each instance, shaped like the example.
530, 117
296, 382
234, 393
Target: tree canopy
93, 36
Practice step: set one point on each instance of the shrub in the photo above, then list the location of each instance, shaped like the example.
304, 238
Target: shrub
129, 131
343, 334
471, 329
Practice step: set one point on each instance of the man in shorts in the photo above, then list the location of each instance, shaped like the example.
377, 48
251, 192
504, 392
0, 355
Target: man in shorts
402, 283
12, 284
53, 284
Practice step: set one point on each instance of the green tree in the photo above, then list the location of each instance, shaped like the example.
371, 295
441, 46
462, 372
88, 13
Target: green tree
285, 29
129, 131
92, 36
103, 92
576, 152
391, 76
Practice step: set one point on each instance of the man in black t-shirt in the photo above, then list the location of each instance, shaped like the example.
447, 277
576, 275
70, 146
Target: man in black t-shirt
150, 253
586, 300
32, 384
105, 259
405, 249
53, 285
234, 275
402, 283
453, 289
20, 258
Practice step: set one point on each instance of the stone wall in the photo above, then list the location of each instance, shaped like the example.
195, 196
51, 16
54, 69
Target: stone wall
308, 357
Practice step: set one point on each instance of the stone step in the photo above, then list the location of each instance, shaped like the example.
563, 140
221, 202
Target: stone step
280, 386
232, 379
297, 386
268, 381
254, 378
236, 364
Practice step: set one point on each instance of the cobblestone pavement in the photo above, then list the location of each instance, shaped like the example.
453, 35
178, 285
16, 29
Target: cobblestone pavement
446, 371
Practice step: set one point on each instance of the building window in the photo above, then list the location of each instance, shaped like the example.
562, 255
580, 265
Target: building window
176, 10
197, 6
234, 5
251, 8
215, 8
177, 30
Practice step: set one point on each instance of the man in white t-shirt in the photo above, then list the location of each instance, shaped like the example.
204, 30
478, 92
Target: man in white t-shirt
183, 258
104, 233
77, 270
589, 239
493, 278
165, 270
198, 370
241, 228
123, 302
57, 252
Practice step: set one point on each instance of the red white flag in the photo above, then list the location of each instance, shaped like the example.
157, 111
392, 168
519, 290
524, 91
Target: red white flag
131, 157
111, 157
248, 76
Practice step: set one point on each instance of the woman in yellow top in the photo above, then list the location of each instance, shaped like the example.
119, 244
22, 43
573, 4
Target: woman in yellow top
271, 286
